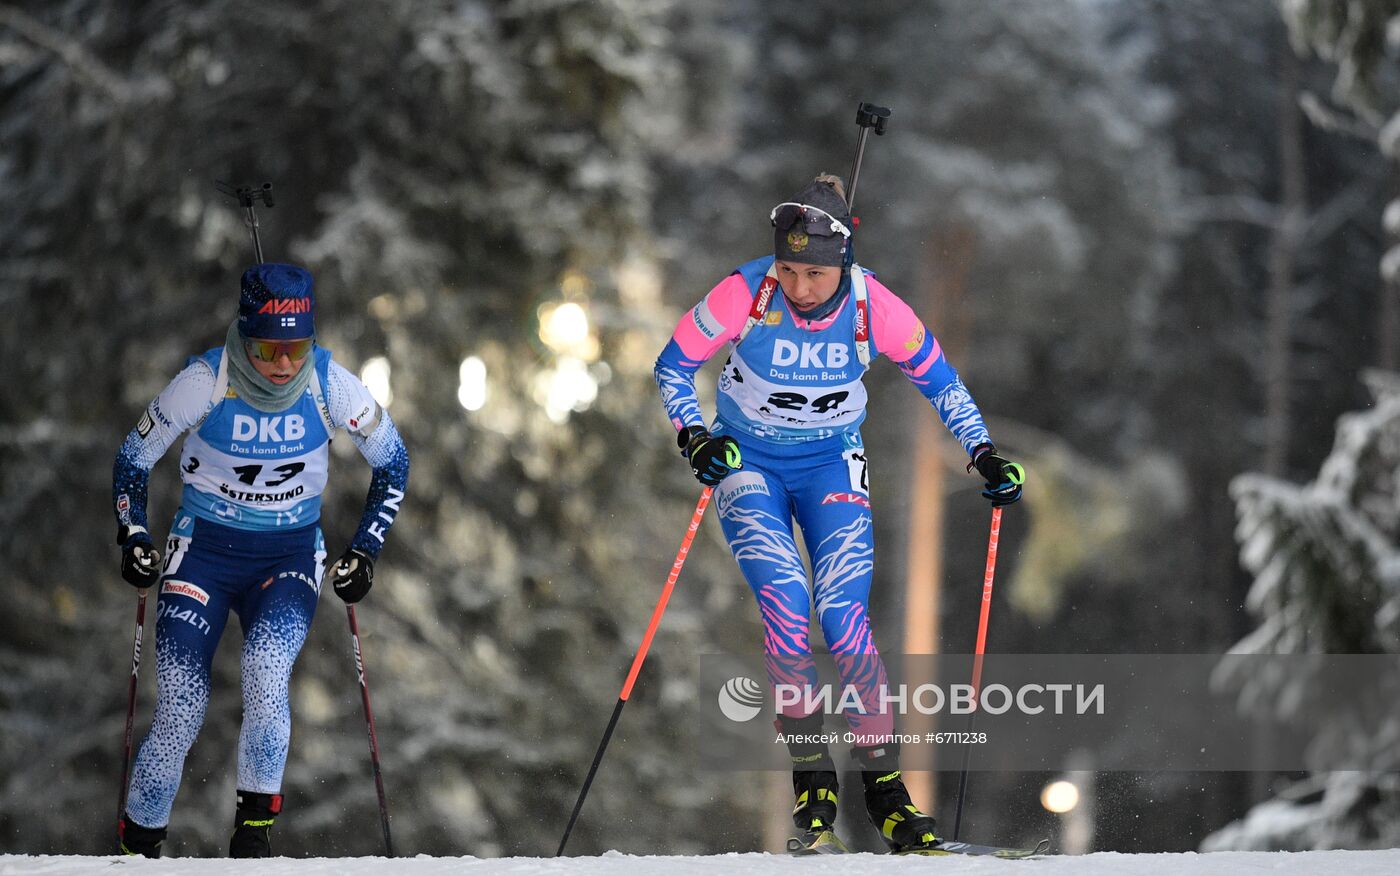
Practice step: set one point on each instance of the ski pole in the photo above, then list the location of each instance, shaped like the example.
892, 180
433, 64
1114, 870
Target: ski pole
246, 196
131, 707
977, 659
373, 740
868, 116
637, 660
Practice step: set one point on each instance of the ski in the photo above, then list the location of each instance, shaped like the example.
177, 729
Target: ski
828, 843
825, 842
949, 847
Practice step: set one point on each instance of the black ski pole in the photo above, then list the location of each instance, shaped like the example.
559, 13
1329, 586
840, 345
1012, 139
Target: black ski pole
131, 708
373, 739
868, 116
638, 660
247, 196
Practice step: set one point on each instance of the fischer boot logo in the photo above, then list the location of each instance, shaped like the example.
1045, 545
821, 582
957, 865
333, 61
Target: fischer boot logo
741, 699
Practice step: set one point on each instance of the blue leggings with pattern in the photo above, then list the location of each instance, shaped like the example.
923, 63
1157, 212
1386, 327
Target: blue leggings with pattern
823, 485
272, 581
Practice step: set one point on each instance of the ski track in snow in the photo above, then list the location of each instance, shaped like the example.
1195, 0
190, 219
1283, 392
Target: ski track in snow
1329, 863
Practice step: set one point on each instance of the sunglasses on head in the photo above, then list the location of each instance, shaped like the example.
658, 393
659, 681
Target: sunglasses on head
271, 351
814, 219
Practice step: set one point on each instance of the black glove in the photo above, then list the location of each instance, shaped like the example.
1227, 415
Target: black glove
711, 458
1004, 479
140, 559
353, 575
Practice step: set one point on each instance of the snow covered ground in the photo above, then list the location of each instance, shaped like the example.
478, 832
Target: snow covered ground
1340, 863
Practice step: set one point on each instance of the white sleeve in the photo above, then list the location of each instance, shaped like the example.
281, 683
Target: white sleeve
181, 405
352, 408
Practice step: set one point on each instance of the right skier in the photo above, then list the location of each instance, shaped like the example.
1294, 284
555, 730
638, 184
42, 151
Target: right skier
786, 442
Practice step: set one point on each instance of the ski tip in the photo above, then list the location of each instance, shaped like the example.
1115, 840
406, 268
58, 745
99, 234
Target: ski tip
953, 847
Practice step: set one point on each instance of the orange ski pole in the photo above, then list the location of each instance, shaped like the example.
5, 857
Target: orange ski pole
637, 660
977, 659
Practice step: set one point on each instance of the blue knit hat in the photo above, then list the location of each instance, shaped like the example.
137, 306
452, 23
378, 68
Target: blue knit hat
277, 302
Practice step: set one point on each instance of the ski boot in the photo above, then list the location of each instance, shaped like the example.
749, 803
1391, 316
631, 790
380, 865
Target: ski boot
138, 840
252, 825
814, 787
887, 801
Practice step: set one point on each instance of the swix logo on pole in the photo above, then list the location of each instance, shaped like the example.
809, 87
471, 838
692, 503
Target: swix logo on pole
286, 305
359, 662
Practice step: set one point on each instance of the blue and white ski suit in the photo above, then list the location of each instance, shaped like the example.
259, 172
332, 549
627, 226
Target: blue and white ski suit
245, 538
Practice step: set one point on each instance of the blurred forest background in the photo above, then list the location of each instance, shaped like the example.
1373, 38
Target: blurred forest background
1153, 234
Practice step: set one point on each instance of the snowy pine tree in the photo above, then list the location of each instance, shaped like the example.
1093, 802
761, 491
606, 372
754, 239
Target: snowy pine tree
450, 171
1326, 563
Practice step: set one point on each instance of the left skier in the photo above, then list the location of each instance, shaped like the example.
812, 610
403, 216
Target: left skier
260, 410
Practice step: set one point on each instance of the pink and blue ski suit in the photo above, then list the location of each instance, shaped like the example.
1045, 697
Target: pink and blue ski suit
791, 395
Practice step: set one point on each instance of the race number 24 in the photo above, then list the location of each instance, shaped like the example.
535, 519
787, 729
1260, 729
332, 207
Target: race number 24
796, 401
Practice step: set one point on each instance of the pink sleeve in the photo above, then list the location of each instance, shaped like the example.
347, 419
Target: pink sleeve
716, 320
897, 332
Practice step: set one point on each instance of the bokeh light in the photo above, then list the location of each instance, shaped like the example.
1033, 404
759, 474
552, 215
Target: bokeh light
375, 376
471, 391
1059, 797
